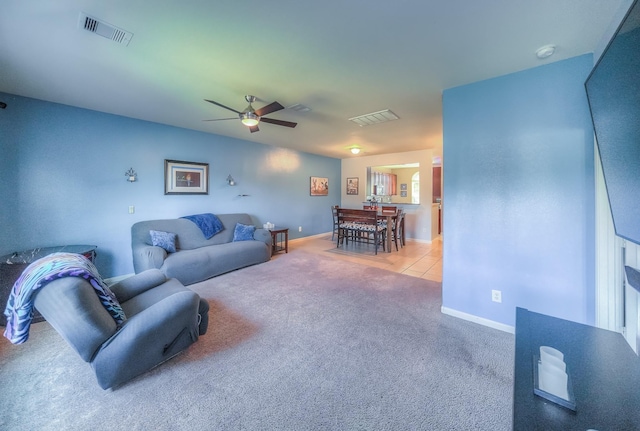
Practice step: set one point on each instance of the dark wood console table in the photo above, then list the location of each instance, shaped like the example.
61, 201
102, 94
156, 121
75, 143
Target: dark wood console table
12, 265
604, 370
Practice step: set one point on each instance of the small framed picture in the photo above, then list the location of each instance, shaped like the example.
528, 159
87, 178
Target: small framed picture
352, 186
403, 193
319, 186
186, 178
403, 187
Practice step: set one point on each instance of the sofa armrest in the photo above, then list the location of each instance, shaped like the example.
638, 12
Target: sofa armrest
148, 257
263, 235
136, 284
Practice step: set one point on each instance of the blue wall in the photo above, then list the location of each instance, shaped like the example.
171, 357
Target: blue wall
62, 179
519, 195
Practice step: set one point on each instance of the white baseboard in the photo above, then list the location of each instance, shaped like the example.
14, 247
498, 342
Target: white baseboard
309, 237
423, 241
478, 320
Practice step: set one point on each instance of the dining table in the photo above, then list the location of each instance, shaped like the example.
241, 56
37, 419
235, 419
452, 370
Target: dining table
388, 216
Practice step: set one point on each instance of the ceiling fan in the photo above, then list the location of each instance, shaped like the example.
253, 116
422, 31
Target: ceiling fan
251, 117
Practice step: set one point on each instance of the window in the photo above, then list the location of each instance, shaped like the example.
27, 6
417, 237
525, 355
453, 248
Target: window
415, 188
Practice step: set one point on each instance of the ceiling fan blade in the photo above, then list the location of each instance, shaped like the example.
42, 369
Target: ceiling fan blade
278, 122
222, 106
271, 107
254, 129
222, 119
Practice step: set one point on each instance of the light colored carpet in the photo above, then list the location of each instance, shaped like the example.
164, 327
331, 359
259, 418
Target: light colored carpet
303, 342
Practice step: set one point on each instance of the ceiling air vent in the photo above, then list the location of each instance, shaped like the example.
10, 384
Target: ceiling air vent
299, 107
104, 29
374, 118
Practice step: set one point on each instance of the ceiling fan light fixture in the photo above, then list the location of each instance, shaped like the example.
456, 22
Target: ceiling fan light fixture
249, 119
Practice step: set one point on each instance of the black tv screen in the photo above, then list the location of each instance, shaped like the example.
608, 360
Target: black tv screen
613, 91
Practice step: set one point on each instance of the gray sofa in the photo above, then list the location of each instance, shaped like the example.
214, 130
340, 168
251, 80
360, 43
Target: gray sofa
197, 258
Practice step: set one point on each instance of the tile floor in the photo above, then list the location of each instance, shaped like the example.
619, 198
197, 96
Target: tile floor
417, 259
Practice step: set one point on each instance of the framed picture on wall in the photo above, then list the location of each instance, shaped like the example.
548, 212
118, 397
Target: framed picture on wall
319, 186
186, 178
352, 186
403, 186
403, 193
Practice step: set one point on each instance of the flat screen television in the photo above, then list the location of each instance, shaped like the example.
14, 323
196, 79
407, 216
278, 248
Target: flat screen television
613, 91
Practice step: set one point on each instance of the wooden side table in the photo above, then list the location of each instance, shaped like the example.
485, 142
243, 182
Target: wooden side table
279, 239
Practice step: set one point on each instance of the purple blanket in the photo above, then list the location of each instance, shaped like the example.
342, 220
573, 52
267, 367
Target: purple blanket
19, 310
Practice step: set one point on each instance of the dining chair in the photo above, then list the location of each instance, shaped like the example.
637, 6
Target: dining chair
393, 230
334, 213
398, 227
360, 226
389, 209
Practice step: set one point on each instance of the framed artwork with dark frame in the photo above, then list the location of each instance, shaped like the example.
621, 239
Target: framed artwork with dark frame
352, 186
403, 186
319, 186
186, 178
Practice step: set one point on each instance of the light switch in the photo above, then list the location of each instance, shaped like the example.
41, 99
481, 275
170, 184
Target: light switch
132, 209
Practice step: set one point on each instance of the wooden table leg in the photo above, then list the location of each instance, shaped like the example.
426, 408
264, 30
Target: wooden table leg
286, 241
389, 232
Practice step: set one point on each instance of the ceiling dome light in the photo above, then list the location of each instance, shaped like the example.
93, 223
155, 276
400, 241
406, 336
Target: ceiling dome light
249, 119
545, 51
355, 150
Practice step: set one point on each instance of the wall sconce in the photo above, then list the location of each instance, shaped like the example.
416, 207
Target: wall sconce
131, 175
231, 181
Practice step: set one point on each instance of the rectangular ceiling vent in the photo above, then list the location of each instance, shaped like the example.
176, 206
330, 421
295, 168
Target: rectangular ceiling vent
374, 118
299, 107
104, 29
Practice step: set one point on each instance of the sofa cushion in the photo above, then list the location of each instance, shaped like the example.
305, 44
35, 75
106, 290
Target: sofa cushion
166, 240
243, 232
192, 266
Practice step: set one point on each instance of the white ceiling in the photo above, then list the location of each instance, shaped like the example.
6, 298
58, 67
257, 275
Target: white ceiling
341, 58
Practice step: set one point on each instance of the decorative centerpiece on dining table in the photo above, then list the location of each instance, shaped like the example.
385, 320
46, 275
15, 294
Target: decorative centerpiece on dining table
373, 202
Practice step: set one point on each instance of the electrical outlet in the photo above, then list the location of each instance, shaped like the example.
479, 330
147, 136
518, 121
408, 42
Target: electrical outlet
299, 228
496, 296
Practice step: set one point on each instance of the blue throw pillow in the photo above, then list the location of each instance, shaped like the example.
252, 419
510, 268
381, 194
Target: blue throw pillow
166, 240
243, 232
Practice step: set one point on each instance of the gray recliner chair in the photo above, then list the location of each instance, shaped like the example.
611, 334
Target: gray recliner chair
163, 319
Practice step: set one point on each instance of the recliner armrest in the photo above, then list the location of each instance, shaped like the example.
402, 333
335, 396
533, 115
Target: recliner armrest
148, 338
136, 284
